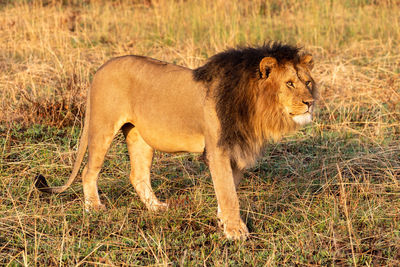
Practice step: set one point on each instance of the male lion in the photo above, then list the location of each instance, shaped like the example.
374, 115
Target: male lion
229, 107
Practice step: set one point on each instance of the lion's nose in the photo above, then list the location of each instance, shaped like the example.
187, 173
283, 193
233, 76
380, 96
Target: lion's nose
308, 102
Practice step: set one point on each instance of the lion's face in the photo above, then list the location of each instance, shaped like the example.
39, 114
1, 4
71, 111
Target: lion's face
294, 86
295, 93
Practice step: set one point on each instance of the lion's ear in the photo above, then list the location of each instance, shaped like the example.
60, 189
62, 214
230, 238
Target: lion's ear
307, 60
266, 65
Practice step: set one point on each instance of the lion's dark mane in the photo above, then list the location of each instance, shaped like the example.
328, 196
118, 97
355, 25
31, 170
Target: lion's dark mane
231, 77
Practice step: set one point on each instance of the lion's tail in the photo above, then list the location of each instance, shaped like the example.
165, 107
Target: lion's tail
40, 181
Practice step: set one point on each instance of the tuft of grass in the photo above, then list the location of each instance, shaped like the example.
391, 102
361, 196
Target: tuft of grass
327, 195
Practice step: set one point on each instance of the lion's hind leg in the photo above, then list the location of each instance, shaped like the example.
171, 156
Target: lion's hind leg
100, 138
141, 157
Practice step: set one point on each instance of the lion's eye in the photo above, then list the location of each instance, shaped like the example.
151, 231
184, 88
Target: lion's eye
308, 83
290, 84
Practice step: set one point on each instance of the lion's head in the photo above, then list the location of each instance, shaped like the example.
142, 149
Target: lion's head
260, 93
292, 86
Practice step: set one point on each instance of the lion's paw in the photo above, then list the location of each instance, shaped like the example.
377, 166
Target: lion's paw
90, 206
157, 206
235, 230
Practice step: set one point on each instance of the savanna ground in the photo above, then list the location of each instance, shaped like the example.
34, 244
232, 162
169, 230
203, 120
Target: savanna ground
327, 195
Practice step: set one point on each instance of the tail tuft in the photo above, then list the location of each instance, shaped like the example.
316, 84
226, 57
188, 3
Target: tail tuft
41, 183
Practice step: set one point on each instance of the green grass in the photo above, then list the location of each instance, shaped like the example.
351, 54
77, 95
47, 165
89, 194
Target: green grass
327, 195
293, 202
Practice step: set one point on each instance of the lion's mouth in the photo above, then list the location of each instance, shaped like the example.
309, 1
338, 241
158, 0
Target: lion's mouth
302, 119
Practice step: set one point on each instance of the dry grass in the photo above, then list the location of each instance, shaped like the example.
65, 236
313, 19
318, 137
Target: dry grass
327, 195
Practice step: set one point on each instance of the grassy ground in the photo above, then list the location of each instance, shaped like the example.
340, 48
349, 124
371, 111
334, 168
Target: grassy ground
328, 195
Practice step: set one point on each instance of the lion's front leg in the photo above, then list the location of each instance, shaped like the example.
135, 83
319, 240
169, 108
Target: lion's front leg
225, 190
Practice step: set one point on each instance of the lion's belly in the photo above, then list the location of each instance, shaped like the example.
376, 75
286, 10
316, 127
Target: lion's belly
172, 140
173, 128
